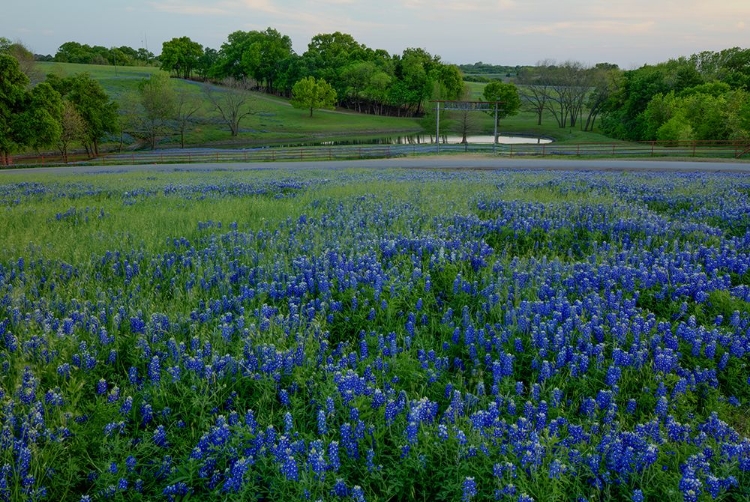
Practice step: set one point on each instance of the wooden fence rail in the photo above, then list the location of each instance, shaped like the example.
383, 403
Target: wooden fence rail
709, 149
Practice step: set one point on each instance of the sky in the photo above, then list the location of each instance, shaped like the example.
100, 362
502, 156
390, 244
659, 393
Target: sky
505, 32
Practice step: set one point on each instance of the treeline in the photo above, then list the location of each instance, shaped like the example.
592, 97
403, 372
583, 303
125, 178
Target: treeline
485, 72
73, 52
364, 79
702, 97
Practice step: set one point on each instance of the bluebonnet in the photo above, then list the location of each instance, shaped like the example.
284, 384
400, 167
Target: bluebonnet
469, 489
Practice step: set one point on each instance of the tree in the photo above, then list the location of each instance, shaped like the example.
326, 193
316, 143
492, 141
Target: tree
622, 114
181, 56
98, 111
234, 102
73, 128
448, 82
416, 77
25, 58
535, 88
356, 77
159, 103
509, 102
328, 54
229, 61
12, 95
262, 56
29, 118
38, 125
463, 121
310, 94
186, 106
207, 63
605, 79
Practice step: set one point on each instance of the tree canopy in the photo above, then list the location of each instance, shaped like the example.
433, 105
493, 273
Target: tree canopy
697, 98
29, 117
311, 94
181, 56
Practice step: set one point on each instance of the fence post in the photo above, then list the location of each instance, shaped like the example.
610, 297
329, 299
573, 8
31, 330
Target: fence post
613, 149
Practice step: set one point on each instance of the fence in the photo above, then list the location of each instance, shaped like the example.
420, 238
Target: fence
707, 149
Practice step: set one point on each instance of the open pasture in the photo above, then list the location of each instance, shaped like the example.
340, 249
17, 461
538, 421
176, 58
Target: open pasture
375, 335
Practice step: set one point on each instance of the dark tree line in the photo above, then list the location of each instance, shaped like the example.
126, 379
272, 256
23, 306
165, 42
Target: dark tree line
364, 79
73, 52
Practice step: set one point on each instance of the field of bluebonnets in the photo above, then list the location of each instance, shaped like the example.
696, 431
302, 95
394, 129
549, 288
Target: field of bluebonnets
375, 335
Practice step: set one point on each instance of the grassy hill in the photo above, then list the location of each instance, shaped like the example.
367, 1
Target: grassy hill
276, 121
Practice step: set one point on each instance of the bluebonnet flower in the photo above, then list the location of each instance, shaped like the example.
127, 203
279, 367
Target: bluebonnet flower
147, 413
160, 437
172, 492
101, 386
288, 423
289, 467
322, 425
358, 494
333, 456
469, 489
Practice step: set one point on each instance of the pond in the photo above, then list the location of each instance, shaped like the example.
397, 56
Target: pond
421, 139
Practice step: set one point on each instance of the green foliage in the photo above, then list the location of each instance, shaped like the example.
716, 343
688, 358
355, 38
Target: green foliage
74, 52
310, 94
95, 107
28, 117
181, 56
159, 104
506, 94
263, 56
12, 95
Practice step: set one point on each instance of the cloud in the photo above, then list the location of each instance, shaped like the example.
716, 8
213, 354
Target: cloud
180, 7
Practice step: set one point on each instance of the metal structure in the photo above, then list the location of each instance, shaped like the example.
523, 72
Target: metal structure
464, 106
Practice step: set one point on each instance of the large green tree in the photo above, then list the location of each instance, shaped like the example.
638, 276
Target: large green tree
309, 94
29, 118
264, 54
12, 96
181, 56
95, 107
507, 98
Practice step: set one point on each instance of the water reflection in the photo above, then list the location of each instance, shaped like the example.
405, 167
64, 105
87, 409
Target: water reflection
428, 139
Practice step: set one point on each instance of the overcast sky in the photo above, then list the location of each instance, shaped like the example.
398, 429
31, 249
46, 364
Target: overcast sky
508, 32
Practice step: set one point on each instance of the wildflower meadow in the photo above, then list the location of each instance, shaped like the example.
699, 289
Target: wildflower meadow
351, 335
